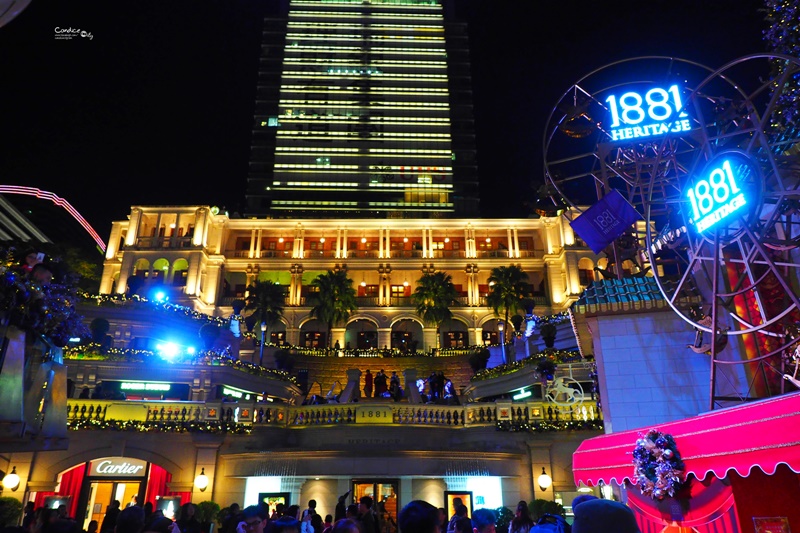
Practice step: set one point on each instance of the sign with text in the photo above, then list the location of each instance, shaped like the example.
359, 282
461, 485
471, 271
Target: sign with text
644, 113
374, 414
118, 467
606, 220
723, 194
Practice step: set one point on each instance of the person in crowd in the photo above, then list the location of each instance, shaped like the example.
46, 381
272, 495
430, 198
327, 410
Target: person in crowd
129, 520
29, 515
345, 525
42, 273
369, 523
30, 260
394, 387
134, 501
483, 521
286, 524
187, 522
418, 517
305, 524
464, 525
161, 524
228, 522
341, 507
311, 510
251, 520
432, 386
279, 509
62, 512
380, 384
460, 512
352, 514
92, 527
148, 511
368, 384
110, 519
601, 516
327, 524
442, 519
522, 522
316, 523
582, 498
292, 511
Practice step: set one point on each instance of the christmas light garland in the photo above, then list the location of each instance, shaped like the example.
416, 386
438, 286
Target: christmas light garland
658, 468
214, 427
547, 426
555, 356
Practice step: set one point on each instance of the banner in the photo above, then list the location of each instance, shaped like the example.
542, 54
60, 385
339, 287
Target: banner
606, 220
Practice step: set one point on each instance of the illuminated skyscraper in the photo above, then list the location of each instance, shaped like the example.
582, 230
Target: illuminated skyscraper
371, 116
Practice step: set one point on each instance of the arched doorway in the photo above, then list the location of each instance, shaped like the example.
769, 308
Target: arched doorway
313, 334
160, 269
454, 334
406, 335
361, 334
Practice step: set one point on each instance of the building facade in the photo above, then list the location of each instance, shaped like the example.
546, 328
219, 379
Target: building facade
207, 260
364, 109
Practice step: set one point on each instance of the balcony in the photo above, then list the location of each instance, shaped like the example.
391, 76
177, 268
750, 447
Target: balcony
146, 243
113, 414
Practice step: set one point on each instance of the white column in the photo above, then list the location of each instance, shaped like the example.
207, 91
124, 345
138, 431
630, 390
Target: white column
258, 243
133, 227
516, 242
510, 243
430, 242
387, 251
424, 245
199, 226
338, 243
113, 241
302, 244
466, 243
380, 243
252, 243
344, 244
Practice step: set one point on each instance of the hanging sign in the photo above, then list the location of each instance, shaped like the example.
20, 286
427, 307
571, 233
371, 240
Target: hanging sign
606, 220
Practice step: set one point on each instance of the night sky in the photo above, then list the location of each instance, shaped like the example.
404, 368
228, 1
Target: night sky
156, 108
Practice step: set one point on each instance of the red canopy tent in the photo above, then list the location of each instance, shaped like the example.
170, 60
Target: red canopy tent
752, 453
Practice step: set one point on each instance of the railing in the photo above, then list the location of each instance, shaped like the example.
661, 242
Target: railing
365, 413
164, 242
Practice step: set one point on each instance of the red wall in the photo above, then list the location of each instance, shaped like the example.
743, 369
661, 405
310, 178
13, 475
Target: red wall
761, 495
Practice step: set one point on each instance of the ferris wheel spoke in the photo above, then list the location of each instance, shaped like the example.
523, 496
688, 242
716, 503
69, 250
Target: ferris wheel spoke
693, 259
763, 251
753, 281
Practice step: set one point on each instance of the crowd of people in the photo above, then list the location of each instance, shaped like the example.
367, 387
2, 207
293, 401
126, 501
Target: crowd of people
592, 515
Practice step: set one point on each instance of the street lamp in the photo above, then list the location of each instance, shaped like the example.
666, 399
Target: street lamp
201, 481
544, 480
11, 481
261, 352
500, 327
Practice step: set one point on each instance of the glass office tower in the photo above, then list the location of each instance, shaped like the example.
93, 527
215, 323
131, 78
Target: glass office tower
371, 115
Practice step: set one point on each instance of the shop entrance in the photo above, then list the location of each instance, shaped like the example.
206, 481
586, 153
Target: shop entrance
102, 493
384, 495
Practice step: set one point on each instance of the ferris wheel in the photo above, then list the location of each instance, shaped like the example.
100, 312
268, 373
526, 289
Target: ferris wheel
711, 160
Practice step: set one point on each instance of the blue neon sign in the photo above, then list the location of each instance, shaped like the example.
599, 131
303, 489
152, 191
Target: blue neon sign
635, 115
724, 192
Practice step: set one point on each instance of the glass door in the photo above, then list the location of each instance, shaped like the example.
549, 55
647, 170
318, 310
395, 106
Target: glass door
384, 496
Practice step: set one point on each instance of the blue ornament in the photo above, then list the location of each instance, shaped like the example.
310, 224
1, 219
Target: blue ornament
661, 442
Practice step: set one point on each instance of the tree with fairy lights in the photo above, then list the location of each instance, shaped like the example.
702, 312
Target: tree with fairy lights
782, 36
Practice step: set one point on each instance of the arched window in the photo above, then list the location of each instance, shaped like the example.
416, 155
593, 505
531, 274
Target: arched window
180, 270
142, 268
160, 268
585, 271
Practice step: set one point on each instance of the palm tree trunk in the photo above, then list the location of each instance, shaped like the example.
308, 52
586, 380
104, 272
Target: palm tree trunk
505, 333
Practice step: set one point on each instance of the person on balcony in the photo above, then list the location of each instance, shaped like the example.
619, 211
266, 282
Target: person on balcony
380, 384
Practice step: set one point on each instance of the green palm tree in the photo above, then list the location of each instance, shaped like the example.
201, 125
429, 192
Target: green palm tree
508, 287
266, 300
334, 299
433, 296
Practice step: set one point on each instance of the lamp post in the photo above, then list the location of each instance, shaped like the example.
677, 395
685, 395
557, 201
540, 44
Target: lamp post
261, 351
544, 480
500, 328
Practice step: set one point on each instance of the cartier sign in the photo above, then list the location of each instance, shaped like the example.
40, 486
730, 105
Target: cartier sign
118, 467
